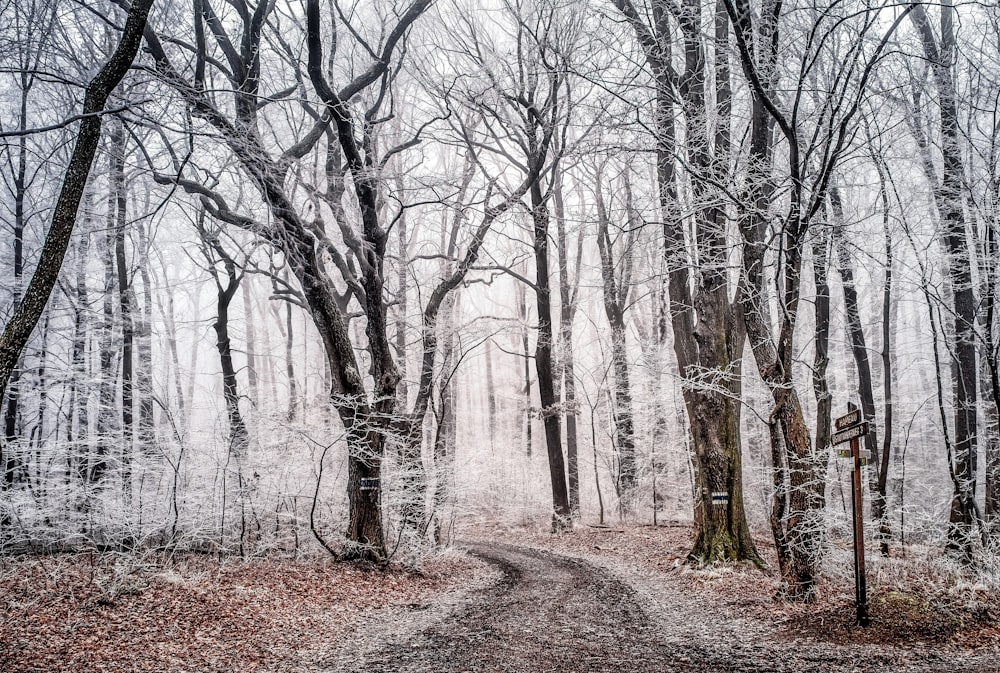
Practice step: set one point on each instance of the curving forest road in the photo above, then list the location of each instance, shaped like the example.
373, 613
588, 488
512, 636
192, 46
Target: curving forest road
547, 612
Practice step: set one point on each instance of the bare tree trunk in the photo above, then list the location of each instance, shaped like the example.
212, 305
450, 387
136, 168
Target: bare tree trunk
239, 437
402, 300
989, 375
524, 404
568, 290
249, 320
170, 323
821, 358
562, 514
707, 326
144, 350
126, 297
444, 437
940, 55
491, 393
11, 462
79, 445
859, 349
888, 373
616, 288
107, 417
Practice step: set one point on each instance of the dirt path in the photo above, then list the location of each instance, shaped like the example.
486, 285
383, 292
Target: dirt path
548, 612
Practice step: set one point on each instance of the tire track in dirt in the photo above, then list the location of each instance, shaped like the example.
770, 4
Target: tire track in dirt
548, 612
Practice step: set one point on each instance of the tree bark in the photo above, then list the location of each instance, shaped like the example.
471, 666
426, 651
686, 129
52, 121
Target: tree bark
562, 514
797, 498
126, 300
80, 412
859, 349
144, 350
821, 357
616, 287
525, 412
249, 319
949, 197
707, 325
568, 289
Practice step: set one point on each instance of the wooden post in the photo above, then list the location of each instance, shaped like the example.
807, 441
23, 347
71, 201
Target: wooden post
852, 428
857, 505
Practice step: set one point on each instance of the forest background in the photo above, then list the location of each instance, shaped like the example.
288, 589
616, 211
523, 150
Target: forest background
341, 274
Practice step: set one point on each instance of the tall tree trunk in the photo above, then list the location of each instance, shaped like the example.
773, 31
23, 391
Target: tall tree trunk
170, 325
616, 276
239, 437
144, 350
567, 310
491, 393
107, 416
708, 327
445, 435
949, 197
797, 499
989, 374
126, 297
859, 349
561, 514
402, 299
11, 459
888, 373
821, 358
79, 446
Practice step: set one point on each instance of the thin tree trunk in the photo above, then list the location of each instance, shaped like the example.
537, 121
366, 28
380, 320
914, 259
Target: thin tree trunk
79, 445
616, 286
821, 358
293, 397
491, 393
859, 349
11, 460
144, 350
444, 438
249, 320
524, 405
126, 298
888, 373
170, 324
107, 416
567, 310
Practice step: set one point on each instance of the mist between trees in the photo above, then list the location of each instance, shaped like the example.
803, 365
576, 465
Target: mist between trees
337, 276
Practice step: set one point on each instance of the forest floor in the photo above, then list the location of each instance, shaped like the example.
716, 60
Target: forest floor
597, 599
192, 614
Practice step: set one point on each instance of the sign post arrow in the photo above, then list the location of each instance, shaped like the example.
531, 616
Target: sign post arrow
848, 419
850, 433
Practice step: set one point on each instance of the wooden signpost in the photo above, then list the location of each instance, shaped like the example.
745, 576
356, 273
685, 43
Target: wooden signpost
852, 428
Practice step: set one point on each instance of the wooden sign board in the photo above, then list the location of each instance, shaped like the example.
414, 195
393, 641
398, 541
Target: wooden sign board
847, 420
849, 434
